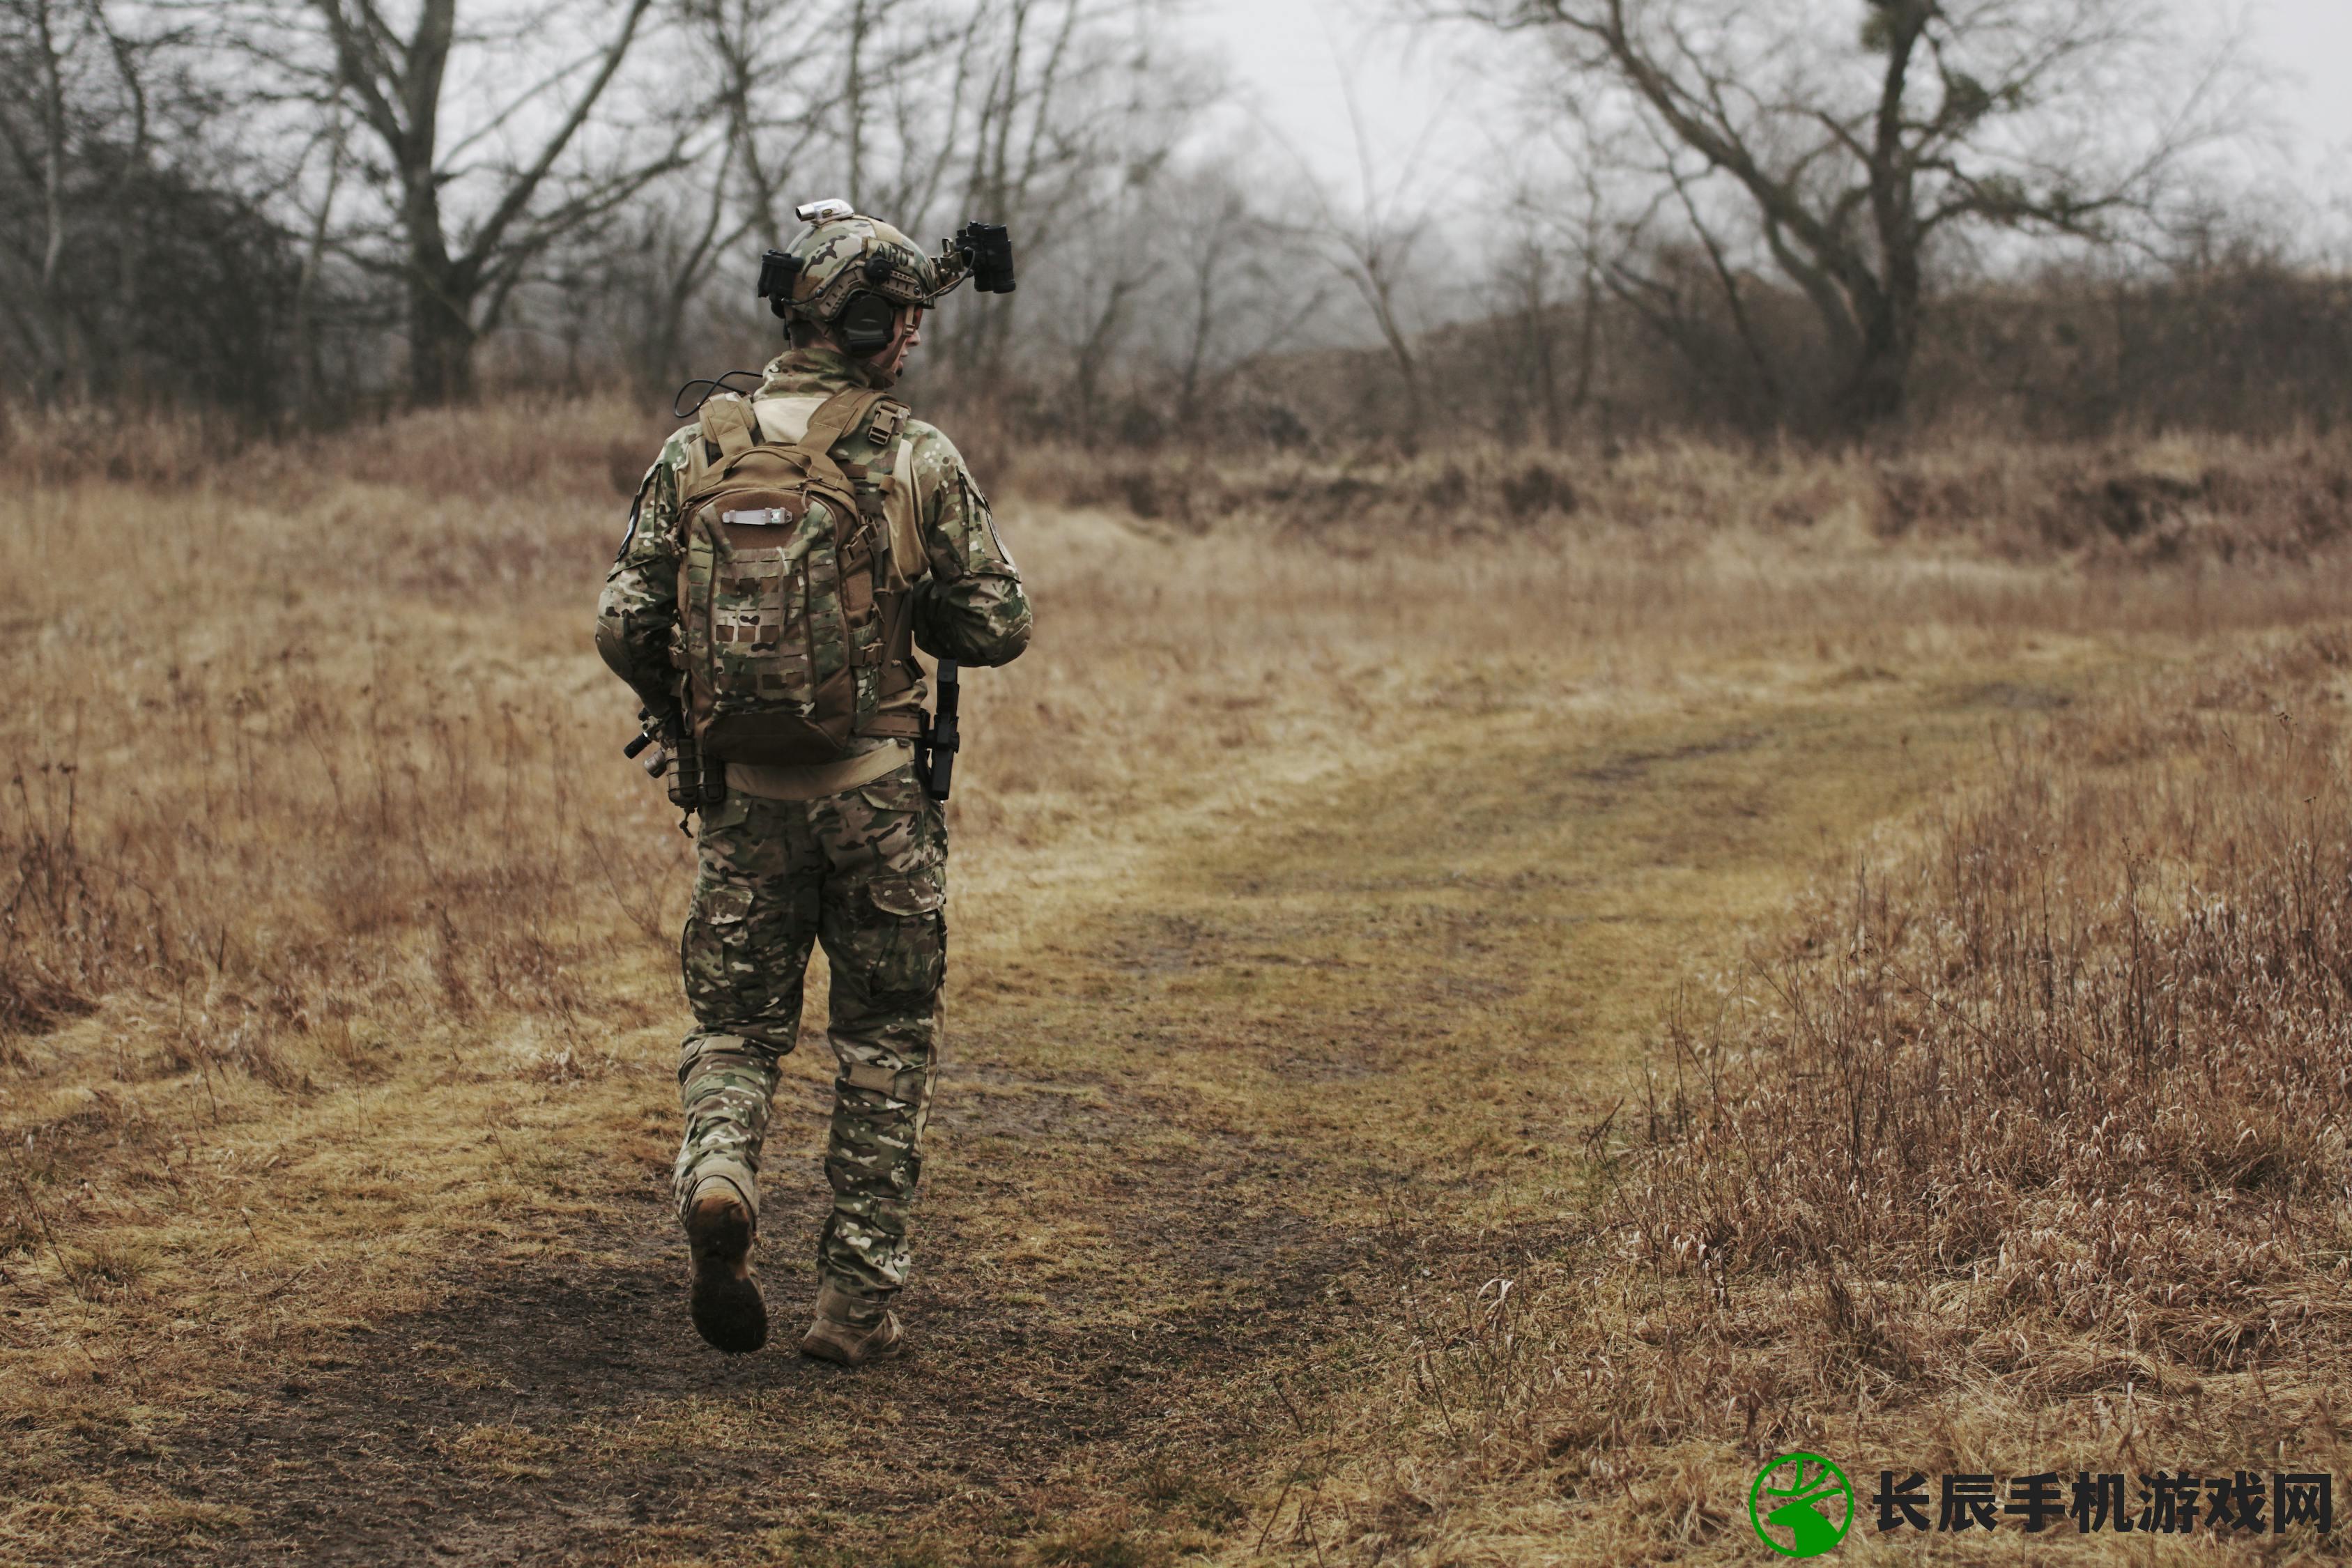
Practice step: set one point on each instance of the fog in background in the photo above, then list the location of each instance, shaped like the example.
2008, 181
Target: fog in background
1294, 61
1286, 222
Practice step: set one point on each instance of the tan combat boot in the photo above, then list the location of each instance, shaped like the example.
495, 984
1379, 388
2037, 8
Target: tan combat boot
728, 1311
851, 1329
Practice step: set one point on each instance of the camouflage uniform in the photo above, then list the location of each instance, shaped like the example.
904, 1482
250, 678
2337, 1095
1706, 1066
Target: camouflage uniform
797, 856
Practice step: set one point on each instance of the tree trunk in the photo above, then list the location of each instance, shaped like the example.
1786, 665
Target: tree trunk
1546, 333
1588, 342
57, 343
440, 336
1877, 390
1875, 393
309, 362
441, 294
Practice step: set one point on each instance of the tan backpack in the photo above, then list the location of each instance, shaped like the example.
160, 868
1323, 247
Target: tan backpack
792, 634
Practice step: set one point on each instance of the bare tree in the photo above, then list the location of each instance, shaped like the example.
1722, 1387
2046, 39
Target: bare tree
795, 77
1071, 102
1243, 284
458, 270
769, 98
436, 170
1529, 331
747, 48
1856, 150
1370, 239
83, 84
1372, 249
1673, 269
137, 254
660, 260
332, 145
1214, 234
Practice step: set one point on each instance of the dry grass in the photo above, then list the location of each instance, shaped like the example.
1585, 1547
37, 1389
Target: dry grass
2145, 501
2026, 1150
2127, 501
307, 895
335, 938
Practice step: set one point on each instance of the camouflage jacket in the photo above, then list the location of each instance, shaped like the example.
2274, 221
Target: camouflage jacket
969, 605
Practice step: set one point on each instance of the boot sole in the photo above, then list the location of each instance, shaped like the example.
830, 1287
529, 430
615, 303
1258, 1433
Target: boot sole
728, 1311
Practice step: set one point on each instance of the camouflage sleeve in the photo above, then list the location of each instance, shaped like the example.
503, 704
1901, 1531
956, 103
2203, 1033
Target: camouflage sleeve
971, 607
638, 609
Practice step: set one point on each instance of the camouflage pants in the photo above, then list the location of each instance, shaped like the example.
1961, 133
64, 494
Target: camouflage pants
864, 872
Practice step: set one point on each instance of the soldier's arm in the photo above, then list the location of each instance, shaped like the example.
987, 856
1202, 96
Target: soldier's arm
638, 608
970, 606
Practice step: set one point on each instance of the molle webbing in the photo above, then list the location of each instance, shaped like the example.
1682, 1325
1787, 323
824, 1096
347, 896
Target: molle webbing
893, 651
792, 716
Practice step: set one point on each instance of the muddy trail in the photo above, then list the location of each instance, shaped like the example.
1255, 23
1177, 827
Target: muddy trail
485, 1430
1193, 1139
564, 1411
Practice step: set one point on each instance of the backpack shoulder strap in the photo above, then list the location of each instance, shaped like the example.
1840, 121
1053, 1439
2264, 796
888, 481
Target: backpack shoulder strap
841, 413
891, 471
888, 490
726, 424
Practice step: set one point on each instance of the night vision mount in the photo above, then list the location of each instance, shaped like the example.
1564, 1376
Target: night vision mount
982, 252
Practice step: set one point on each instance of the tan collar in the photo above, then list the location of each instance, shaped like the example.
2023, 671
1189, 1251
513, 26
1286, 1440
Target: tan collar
813, 370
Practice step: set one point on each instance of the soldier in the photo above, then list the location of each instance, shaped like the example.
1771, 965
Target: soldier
849, 852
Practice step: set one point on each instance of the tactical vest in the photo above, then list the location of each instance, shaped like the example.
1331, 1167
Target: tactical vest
794, 630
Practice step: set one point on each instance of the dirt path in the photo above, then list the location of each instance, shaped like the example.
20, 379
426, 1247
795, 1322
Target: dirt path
1192, 1139
569, 1415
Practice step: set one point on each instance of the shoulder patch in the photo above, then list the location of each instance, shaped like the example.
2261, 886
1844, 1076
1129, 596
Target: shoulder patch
988, 521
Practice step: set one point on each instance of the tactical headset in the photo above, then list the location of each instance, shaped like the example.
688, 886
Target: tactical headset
867, 322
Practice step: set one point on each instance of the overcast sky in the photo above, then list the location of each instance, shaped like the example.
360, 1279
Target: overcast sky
1290, 55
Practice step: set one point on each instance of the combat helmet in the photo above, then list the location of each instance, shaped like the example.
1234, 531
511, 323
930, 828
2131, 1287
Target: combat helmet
851, 274
847, 273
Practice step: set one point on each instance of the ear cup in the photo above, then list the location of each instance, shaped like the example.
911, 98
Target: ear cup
866, 324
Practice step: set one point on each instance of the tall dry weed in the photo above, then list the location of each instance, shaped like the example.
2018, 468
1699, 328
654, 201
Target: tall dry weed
266, 778
511, 448
2091, 1054
2032, 1147
2121, 502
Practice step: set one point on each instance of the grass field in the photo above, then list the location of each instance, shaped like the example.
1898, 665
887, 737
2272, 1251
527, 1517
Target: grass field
1463, 1039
